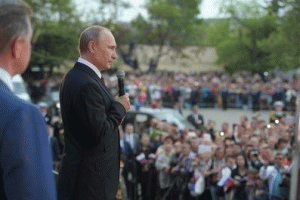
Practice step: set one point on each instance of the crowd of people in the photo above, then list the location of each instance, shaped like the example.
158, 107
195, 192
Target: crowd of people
209, 89
247, 160
251, 160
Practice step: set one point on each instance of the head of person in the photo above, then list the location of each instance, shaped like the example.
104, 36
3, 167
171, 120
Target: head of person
177, 147
15, 36
279, 159
230, 161
241, 161
98, 46
281, 144
194, 141
43, 107
129, 128
186, 149
278, 106
168, 148
219, 153
225, 127
195, 109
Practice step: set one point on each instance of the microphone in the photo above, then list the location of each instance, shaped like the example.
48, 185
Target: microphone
121, 75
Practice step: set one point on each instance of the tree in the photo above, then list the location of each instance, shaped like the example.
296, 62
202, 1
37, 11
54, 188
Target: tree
172, 24
55, 37
240, 43
266, 36
291, 31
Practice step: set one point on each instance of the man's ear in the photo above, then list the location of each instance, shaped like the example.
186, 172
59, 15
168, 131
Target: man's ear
92, 46
16, 48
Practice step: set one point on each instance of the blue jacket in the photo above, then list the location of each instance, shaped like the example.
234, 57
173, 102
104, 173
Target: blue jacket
25, 161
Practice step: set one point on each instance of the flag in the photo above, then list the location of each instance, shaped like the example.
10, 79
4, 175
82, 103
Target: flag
229, 183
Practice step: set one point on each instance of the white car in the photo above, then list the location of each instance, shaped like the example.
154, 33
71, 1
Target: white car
167, 114
20, 88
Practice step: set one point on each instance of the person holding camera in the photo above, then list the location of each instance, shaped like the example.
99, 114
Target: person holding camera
273, 175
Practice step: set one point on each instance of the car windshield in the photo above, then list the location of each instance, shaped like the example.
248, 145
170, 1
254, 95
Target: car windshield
19, 88
170, 117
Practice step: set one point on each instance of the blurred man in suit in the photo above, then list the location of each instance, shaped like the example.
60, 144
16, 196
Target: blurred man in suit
195, 118
25, 161
91, 117
132, 138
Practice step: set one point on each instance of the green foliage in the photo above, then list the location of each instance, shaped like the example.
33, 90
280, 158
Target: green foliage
258, 41
172, 23
55, 37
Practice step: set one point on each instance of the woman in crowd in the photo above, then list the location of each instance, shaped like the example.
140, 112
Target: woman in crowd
239, 175
162, 165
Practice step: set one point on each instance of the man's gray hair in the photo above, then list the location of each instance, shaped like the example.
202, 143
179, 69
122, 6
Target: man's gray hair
14, 22
92, 33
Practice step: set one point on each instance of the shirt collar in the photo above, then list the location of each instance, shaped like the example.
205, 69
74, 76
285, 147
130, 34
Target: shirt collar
90, 65
6, 78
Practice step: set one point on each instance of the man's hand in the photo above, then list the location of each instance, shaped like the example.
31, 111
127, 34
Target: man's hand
124, 100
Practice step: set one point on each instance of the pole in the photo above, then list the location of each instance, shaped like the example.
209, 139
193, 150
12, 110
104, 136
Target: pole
294, 192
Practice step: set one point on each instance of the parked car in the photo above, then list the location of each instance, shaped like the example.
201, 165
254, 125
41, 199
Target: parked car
20, 88
143, 116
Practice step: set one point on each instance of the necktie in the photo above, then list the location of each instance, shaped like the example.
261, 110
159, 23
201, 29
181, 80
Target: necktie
102, 80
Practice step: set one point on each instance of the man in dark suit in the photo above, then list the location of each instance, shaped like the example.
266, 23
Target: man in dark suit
25, 161
132, 138
125, 147
91, 117
195, 118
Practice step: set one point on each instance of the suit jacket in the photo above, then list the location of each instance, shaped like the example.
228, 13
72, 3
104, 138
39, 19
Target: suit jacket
91, 161
25, 160
192, 120
126, 150
136, 142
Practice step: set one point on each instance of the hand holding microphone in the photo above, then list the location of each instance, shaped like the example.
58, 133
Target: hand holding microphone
122, 98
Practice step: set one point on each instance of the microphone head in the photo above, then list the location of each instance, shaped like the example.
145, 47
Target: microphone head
121, 74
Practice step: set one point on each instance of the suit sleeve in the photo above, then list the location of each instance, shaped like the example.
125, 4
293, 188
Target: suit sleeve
100, 118
25, 157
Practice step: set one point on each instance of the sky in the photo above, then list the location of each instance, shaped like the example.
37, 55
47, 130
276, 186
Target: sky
209, 8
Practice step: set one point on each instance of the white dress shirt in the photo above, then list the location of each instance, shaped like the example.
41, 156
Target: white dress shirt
90, 65
6, 78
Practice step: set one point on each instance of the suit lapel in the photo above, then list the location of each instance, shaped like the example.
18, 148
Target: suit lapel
90, 72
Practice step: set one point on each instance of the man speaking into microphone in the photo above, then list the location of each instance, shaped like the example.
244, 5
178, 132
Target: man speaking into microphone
91, 117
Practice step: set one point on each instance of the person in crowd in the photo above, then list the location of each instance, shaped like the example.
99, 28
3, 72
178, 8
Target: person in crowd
122, 190
129, 168
205, 144
239, 175
273, 175
254, 161
185, 170
146, 171
91, 117
26, 167
194, 142
211, 129
278, 113
218, 164
195, 118
43, 107
131, 137
281, 146
167, 141
162, 165
174, 161
125, 147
